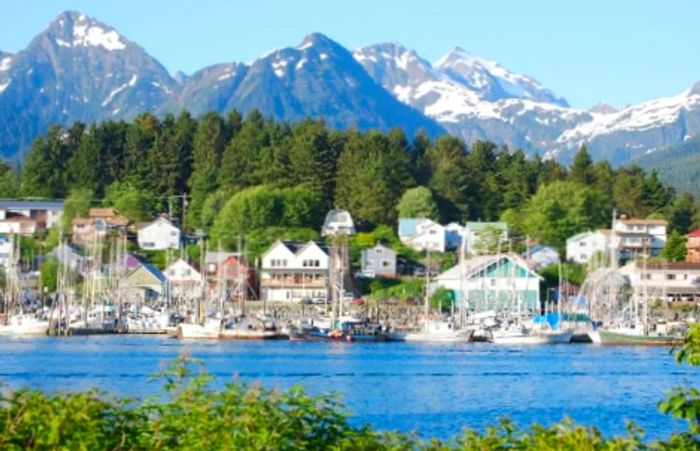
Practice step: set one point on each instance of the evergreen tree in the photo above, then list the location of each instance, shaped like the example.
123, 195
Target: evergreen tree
675, 249
140, 137
449, 178
85, 168
581, 167
628, 192
418, 202
655, 195
44, 172
680, 214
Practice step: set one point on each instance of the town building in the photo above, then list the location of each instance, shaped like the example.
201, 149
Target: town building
485, 237
143, 283
6, 251
17, 224
540, 256
184, 279
581, 247
692, 247
158, 235
99, 223
422, 234
338, 222
639, 237
45, 214
486, 282
69, 257
295, 272
672, 281
234, 275
378, 261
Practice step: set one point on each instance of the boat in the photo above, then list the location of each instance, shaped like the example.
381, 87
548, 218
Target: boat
249, 328
633, 336
211, 330
522, 335
25, 324
434, 331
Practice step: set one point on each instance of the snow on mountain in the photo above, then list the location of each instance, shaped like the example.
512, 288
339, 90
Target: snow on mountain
88, 32
603, 108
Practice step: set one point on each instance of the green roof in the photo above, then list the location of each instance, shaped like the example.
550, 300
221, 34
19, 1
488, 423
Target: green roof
481, 226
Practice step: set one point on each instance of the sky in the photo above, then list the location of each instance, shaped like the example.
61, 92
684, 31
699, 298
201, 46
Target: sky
619, 51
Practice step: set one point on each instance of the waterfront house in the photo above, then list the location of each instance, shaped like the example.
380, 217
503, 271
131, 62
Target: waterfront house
581, 247
540, 256
493, 281
160, 234
234, 275
69, 257
295, 272
185, 280
6, 251
17, 224
45, 214
639, 237
671, 281
378, 261
99, 223
422, 234
485, 237
692, 247
144, 282
338, 222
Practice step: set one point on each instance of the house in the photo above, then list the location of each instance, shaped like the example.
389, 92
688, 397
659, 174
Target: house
46, 214
184, 279
17, 224
213, 259
99, 223
422, 234
671, 281
454, 234
485, 237
143, 283
378, 261
295, 272
69, 257
692, 246
338, 222
581, 247
539, 256
158, 235
234, 275
6, 251
488, 282
635, 237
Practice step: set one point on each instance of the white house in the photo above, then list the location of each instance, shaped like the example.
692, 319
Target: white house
17, 224
45, 213
488, 282
5, 251
484, 237
338, 222
581, 247
422, 234
295, 272
674, 281
640, 236
158, 235
540, 256
184, 279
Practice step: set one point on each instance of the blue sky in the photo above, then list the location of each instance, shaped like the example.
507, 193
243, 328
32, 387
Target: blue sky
621, 51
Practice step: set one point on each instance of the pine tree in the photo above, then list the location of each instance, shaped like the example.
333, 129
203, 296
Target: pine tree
85, 168
581, 167
44, 172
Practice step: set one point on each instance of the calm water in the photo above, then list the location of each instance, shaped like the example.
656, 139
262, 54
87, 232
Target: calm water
437, 389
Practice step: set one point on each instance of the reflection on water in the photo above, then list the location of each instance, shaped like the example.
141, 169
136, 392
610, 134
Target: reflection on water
438, 389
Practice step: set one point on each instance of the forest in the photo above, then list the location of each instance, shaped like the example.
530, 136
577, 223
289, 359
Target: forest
254, 175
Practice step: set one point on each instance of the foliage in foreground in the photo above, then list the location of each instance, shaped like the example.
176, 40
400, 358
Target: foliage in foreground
194, 415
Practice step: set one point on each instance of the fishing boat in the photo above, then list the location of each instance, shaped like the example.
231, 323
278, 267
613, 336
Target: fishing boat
523, 335
434, 331
250, 328
25, 324
210, 329
634, 336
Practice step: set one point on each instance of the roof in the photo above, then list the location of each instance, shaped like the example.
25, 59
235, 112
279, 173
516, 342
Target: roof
539, 248
332, 216
17, 218
145, 225
695, 233
101, 213
31, 205
296, 248
217, 257
408, 226
482, 226
676, 266
638, 221
155, 272
479, 262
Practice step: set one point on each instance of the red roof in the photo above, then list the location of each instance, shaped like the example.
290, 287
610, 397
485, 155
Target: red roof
694, 233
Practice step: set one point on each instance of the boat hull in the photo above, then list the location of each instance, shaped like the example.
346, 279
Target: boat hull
197, 331
609, 338
533, 339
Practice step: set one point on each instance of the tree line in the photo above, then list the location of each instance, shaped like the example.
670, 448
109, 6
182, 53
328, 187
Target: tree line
284, 176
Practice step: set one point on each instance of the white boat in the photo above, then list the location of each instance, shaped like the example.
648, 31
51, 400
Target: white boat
434, 332
25, 325
247, 328
211, 329
521, 335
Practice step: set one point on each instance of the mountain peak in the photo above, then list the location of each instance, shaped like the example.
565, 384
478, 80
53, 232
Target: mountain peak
316, 40
75, 29
603, 108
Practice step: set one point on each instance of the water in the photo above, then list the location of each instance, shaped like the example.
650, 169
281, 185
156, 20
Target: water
437, 389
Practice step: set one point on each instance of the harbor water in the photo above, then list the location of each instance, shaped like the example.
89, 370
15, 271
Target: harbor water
436, 389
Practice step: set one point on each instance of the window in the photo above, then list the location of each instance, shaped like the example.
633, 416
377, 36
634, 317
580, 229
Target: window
582, 243
386, 263
173, 233
670, 277
646, 276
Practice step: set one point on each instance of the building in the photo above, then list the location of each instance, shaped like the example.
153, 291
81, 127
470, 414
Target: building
422, 234
295, 272
46, 214
485, 237
672, 281
184, 279
69, 257
692, 246
493, 281
158, 235
581, 247
6, 251
454, 233
539, 256
99, 223
338, 222
17, 224
378, 261
143, 283
638, 237
234, 275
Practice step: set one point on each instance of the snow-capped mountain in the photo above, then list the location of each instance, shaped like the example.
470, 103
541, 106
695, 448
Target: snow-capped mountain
317, 78
82, 69
77, 69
